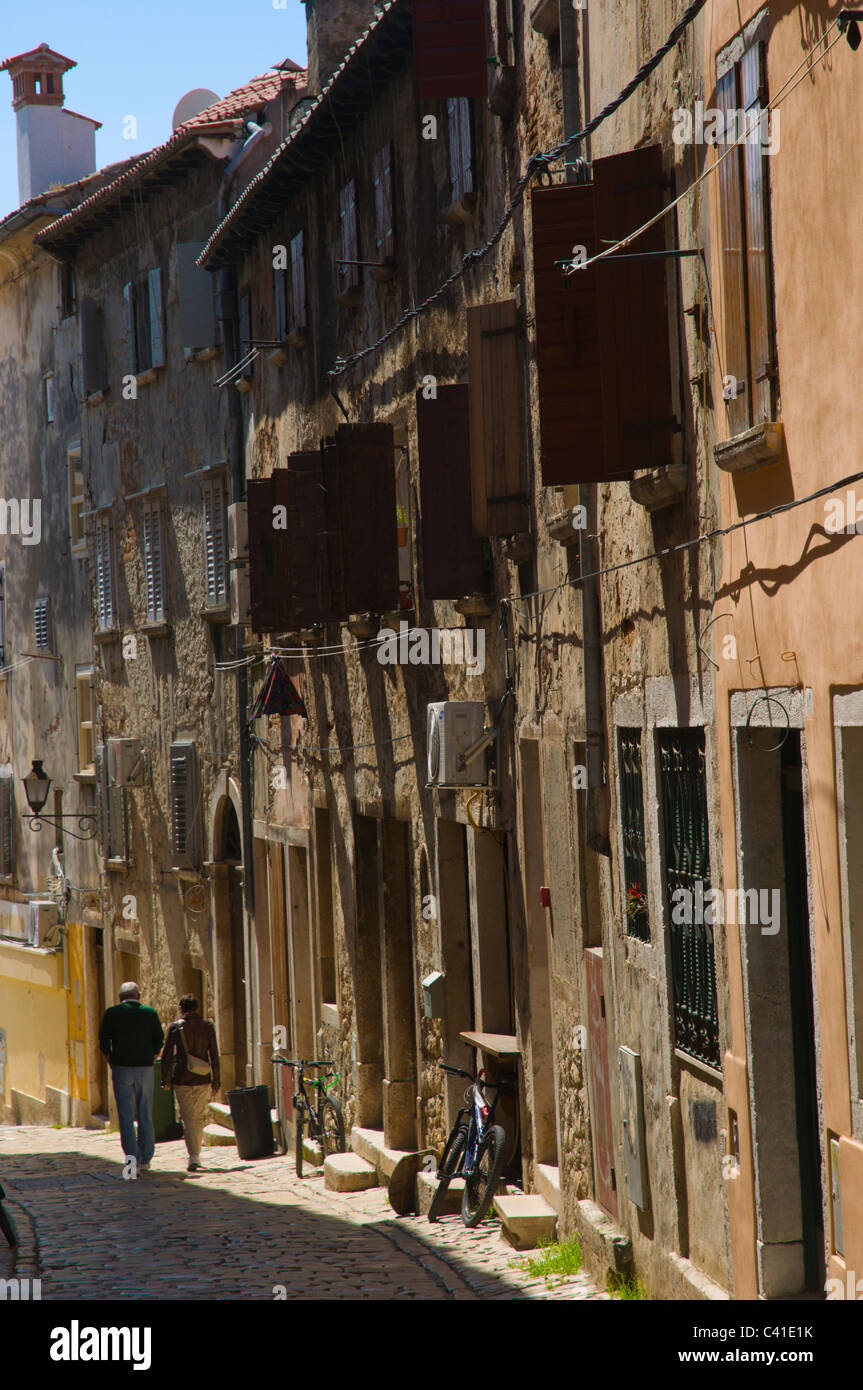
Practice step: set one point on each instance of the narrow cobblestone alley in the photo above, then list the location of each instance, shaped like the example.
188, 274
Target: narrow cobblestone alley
239, 1230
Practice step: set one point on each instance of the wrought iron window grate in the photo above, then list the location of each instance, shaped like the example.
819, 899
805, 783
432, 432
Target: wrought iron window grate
687, 865
632, 819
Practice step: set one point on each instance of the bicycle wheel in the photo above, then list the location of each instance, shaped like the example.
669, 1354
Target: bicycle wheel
7, 1226
332, 1127
449, 1166
300, 1123
480, 1185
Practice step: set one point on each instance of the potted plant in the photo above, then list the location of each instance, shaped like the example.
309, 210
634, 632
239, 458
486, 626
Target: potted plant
636, 905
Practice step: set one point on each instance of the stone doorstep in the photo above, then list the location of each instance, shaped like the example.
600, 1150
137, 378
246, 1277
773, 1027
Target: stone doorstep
369, 1144
217, 1136
222, 1116
349, 1173
312, 1152
548, 1184
426, 1187
526, 1220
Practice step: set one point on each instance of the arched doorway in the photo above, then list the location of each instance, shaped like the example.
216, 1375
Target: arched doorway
230, 951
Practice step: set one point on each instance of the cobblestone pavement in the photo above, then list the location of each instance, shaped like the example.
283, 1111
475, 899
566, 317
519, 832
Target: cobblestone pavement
237, 1230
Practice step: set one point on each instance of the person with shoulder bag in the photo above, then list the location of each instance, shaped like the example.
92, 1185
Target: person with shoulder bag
190, 1062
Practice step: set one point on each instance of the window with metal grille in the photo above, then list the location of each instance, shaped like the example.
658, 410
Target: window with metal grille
683, 792
460, 148
42, 624
632, 830
154, 561
215, 552
106, 611
750, 385
184, 805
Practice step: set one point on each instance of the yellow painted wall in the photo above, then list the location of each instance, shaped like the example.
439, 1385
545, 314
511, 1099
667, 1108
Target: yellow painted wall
34, 1013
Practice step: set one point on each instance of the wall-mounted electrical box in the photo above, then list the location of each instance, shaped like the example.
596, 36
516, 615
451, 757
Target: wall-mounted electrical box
433, 995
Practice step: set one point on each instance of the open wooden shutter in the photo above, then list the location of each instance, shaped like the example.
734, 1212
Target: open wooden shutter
734, 363
7, 836
306, 542
263, 599
452, 556
349, 274
359, 475
157, 334
129, 320
280, 307
101, 757
245, 343
450, 48
184, 800
499, 499
762, 368
298, 283
382, 173
92, 347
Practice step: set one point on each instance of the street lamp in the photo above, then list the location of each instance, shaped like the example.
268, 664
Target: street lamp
37, 785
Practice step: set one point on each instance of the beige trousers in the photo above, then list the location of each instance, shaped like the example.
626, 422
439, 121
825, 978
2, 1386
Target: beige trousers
193, 1102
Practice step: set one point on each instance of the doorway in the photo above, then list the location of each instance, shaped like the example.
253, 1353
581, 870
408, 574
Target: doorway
230, 971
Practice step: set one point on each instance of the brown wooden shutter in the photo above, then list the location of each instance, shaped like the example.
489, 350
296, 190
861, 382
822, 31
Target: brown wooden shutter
456, 173
298, 283
452, 556
450, 48
246, 330
260, 493
753, 84
734, 363
466, 137
349, 275
280, 311
499, 500
307, 596
359, 474
633, 315
385, 244
567, 337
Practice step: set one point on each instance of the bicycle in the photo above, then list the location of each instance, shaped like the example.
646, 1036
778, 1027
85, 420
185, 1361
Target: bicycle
321, 1113
7, 1225
475, 1150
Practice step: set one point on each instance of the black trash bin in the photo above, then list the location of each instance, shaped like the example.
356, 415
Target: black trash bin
253, 1125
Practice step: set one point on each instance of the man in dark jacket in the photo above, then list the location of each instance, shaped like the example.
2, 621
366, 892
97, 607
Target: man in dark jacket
131, 1037
191, 1061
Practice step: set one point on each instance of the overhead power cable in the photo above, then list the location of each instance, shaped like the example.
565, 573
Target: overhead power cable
536, 165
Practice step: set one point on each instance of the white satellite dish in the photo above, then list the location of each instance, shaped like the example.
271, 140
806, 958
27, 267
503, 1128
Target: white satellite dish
192, 104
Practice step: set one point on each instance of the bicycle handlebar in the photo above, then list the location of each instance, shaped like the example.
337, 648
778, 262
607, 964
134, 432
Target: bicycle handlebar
300, 1062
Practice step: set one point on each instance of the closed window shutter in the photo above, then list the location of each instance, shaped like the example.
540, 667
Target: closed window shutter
215, 552
42, 624
753, 84
184, 797
466, 138
263, 598
129, 319
157, 335
450, 48
735, 365
197, 310
154, 564
118, 823
298, 283
101, 760
456, 173
92, 347
385, 245
105, 611
7, 834
359, 476
452, 556
499, 499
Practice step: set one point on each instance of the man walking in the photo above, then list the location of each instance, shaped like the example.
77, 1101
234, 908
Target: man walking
191, 1061
131, 1037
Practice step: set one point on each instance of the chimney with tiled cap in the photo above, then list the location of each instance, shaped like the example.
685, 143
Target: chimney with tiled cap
331, 27
55, 146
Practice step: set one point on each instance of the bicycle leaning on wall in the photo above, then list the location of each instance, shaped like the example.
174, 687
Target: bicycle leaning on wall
475, 1149
315, 1110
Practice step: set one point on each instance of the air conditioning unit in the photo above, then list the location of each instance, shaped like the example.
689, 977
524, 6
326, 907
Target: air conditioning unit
43, 922
238, 531
453, 727
127, 765
241, 613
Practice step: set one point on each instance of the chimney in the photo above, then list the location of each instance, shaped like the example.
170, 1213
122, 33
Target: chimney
331, 27
55, 146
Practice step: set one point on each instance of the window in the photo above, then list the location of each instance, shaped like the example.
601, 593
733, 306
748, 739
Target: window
460, 150
106, 611
153, 530
382, 174
3, 661
7, 833
348, 270
42, 624
142, 302
299, 313
68, 292
86, 744
215, 553
184, 805
76, 497
632, 827
48, 397
750, 371
683, 794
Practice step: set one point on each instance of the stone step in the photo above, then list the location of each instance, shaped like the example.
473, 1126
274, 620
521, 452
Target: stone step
548, 1184
426, 1188
312, 1152
217, 1135
221, 1114
349, 1173
526, 1219
370, 1145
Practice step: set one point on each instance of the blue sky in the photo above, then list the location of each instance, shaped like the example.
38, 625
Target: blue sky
139, 59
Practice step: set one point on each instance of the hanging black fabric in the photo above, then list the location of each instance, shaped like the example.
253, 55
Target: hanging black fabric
278, 694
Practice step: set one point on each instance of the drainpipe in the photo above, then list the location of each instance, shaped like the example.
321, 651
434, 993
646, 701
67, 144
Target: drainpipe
228, 320
573, 58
